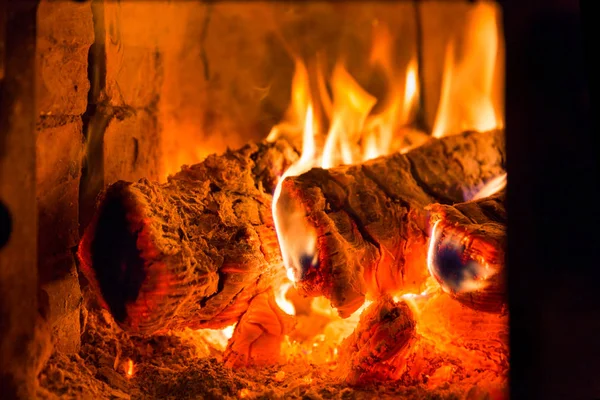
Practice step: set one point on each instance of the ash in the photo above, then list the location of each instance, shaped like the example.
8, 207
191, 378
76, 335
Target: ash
172, 366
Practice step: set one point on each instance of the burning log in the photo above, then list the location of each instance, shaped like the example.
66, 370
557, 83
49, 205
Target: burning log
192, 252
375, 350
365, 228
466, 253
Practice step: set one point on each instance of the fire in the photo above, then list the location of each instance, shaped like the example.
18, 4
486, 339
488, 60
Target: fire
283, 303
493, 186
354, 135
337, 121
470, 97
129, 371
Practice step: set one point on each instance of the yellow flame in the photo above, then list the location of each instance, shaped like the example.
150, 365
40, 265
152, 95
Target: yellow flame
468, 100
283, 303
291, 223
294, 119
129, 372
492, 187
351, 106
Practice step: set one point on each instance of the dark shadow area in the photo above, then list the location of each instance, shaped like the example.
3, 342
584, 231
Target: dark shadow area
552, 241
116, 260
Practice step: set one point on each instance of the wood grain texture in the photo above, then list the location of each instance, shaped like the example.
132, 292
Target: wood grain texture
370, 219
191, 252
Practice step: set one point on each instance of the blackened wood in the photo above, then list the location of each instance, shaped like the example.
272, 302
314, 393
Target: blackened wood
191, 252
371, 228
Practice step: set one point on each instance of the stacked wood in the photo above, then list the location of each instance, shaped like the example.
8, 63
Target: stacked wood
370, 220
191, 252
468, 250
375, 350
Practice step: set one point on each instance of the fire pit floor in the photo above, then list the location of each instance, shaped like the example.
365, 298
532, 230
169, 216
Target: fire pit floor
114, 365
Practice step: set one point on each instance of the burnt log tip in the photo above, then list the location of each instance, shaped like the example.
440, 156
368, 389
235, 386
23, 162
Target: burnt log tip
116, 240
467, 253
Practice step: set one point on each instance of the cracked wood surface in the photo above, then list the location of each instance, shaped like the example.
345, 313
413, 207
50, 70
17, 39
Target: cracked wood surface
191, 252
370, 219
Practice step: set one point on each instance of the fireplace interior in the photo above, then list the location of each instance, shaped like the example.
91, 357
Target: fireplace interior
255, 200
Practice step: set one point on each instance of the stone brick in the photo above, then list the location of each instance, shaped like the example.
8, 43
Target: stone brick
134, 42
131, 148
64, 34
61, 304
59, 151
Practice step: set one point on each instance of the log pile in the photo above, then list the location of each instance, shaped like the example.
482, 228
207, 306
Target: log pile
371, 221
192, 252
201, 251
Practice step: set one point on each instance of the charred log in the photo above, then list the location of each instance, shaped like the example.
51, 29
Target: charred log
367, 223
467, 251
192, 252
375, 350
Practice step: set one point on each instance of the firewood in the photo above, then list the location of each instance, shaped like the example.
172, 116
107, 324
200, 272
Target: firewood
375, 350
191, 252
369, 221
468, 249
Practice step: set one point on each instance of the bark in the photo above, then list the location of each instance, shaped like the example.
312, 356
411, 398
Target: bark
368, 222
375, 351
468, 250
191, 252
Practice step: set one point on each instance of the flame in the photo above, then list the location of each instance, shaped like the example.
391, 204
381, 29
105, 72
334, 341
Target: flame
351, 106
337, 121
129, 371
354, 135
469, 98
283, 303
492, 187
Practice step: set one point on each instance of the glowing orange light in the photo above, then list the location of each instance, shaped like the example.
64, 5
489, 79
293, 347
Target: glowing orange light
469, 99
492, 187
129, 371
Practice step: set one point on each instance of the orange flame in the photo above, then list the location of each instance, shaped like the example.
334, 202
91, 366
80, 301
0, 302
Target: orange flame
469, 98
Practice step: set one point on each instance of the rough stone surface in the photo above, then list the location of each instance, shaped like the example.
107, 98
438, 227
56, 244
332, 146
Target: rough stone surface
61, 304
59, 151
64, 35
131, 147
